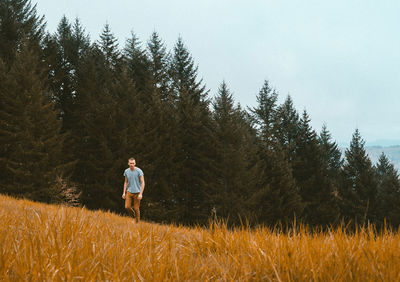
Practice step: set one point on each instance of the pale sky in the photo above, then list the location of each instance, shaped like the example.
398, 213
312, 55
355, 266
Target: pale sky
339, 60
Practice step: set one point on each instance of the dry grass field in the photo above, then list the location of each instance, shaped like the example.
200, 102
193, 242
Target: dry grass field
55, 243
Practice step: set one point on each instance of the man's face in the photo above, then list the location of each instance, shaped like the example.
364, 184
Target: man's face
131, 164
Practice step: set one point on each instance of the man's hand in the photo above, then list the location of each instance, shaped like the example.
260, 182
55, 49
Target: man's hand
123, 196
140, 196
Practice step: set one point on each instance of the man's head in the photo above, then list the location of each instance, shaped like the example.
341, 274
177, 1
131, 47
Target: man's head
131, 163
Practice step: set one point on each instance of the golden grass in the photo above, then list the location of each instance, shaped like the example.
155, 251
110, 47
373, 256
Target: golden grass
55, 243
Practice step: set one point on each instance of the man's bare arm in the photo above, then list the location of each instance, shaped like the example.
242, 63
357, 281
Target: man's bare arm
142, 184
125, 185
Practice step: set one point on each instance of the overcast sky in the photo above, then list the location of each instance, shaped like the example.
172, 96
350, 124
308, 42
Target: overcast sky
339, 60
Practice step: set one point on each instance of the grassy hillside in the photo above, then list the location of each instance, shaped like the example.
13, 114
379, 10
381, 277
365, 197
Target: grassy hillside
42, 242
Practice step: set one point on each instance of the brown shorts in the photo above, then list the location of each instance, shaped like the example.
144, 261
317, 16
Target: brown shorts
128, 200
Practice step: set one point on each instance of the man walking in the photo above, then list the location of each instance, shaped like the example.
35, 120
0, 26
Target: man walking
133, 189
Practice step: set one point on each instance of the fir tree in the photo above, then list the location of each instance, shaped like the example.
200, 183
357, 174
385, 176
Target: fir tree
109, 46
159, 64
157, 132
138, 63
287, 127
275, 198
19, 26
310, 172
96, 135
331, 153
360, 186
233, 158
63, 53
57, 51
156, 135
195, 135
265, 114
388, 192
29, 131
183, 74
79, 46
158, 150
194, 159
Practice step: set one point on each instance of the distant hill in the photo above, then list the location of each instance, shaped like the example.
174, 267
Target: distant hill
391, 152
383, 143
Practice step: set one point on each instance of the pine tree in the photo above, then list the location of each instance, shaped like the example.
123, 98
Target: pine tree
195, 136
19, 25
79, 46
29, 131
57, 48
331, 153
287, 127
108, 44
310, 172
333, 162
138, 64
183, 74
388, 192
159, 64
158, 151
95, 134
233, 158
64, 52
360, 186
265, 114
276, 197
157, 133
194, 159
73, 51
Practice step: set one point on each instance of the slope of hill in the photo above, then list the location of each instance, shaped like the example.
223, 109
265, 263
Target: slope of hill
53, 243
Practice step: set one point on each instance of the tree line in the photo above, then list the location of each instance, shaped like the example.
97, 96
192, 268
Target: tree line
72, 112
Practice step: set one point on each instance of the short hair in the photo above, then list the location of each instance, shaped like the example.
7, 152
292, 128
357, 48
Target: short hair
131, 159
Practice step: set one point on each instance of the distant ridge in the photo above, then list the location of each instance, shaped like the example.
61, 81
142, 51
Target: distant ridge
374, 151
384, 143
392, 153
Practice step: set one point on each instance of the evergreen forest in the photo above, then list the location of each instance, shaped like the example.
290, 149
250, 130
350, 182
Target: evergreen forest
73, 110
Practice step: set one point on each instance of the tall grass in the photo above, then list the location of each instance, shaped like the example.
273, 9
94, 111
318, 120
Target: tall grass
56, 243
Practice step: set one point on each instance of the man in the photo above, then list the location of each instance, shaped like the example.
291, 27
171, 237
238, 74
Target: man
133, 189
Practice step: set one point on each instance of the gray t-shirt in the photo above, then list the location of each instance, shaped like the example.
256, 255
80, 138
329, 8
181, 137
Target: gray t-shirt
133, 179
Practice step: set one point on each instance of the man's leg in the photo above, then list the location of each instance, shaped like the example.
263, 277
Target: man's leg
136, 206
128, 204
